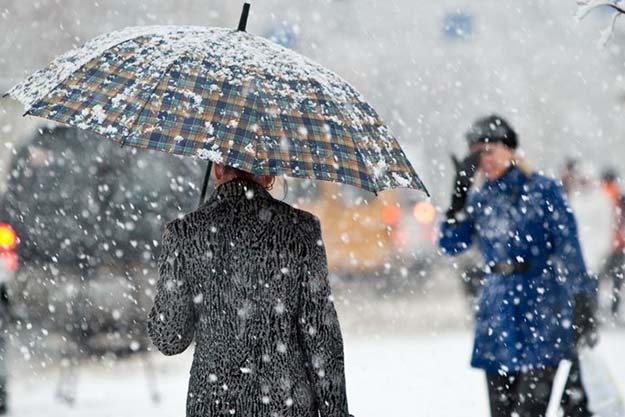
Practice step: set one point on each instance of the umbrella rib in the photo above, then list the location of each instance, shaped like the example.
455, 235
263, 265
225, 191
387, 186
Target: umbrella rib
369, 173
257, 101
163, 73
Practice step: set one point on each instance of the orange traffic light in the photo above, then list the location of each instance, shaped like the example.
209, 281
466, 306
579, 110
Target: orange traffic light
8, 237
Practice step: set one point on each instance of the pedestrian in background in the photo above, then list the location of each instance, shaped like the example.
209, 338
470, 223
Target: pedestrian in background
537, 301
570, 177
246, 276
614, 266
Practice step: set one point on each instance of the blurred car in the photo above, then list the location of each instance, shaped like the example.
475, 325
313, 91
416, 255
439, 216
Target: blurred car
87, 217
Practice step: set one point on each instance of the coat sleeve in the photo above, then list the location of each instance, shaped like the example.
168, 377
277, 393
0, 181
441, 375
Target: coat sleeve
319, 331
171, 322
562, 227
456, 235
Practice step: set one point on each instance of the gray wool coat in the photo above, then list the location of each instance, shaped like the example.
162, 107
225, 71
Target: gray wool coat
245, 276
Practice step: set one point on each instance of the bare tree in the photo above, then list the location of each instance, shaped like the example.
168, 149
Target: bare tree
586, 6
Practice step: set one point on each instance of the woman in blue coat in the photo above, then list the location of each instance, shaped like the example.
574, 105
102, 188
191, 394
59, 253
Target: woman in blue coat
537, 299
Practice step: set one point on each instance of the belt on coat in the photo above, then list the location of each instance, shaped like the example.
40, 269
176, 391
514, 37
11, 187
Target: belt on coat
508, 268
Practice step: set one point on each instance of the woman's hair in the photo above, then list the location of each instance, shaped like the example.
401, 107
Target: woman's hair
523, 165
243, 175
238, 173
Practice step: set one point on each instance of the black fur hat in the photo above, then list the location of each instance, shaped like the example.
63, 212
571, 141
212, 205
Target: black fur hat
492, 129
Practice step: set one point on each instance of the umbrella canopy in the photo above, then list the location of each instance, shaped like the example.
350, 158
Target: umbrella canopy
222, 95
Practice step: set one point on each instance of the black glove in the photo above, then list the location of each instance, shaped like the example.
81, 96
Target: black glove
584, 321
465, 171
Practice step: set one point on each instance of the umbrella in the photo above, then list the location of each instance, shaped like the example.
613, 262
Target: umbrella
224, 96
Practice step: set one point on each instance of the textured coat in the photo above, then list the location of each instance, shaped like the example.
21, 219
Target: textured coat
524, 319
246, 276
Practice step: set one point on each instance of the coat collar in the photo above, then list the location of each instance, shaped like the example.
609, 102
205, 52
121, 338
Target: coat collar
240, 188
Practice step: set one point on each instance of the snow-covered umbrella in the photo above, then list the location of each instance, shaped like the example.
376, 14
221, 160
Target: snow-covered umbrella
222, 95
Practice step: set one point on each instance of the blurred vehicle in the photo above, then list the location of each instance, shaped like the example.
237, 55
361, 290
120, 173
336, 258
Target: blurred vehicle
389, 237
87, 217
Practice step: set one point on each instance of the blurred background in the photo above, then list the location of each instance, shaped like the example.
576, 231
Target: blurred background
78, 345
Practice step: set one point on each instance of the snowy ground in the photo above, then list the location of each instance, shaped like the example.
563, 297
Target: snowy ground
425, 375
406, 355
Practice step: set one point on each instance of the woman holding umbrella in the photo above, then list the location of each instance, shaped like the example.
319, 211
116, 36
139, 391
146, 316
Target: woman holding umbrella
246, 276
537, 300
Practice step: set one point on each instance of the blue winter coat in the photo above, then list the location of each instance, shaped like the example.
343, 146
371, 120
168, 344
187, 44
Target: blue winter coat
524, 319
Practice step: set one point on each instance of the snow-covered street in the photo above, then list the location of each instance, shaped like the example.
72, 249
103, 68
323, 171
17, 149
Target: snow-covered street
406, 355
400, 376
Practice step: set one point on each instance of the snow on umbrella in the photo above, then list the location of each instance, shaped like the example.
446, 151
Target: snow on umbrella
222, 95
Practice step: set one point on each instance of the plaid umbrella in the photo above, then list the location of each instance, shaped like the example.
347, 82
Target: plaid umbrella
222, 95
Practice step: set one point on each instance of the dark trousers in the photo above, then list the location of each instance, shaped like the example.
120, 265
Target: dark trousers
527, 393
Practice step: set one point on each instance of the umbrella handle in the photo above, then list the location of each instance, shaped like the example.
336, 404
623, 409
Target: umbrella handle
243, 20
207, 176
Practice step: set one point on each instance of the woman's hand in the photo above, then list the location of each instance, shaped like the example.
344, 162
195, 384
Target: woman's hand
465, 171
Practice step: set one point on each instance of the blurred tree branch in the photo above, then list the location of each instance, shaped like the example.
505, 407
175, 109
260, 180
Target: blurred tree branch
586, 6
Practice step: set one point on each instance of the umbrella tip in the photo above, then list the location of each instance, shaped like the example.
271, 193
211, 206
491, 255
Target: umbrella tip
243, 20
